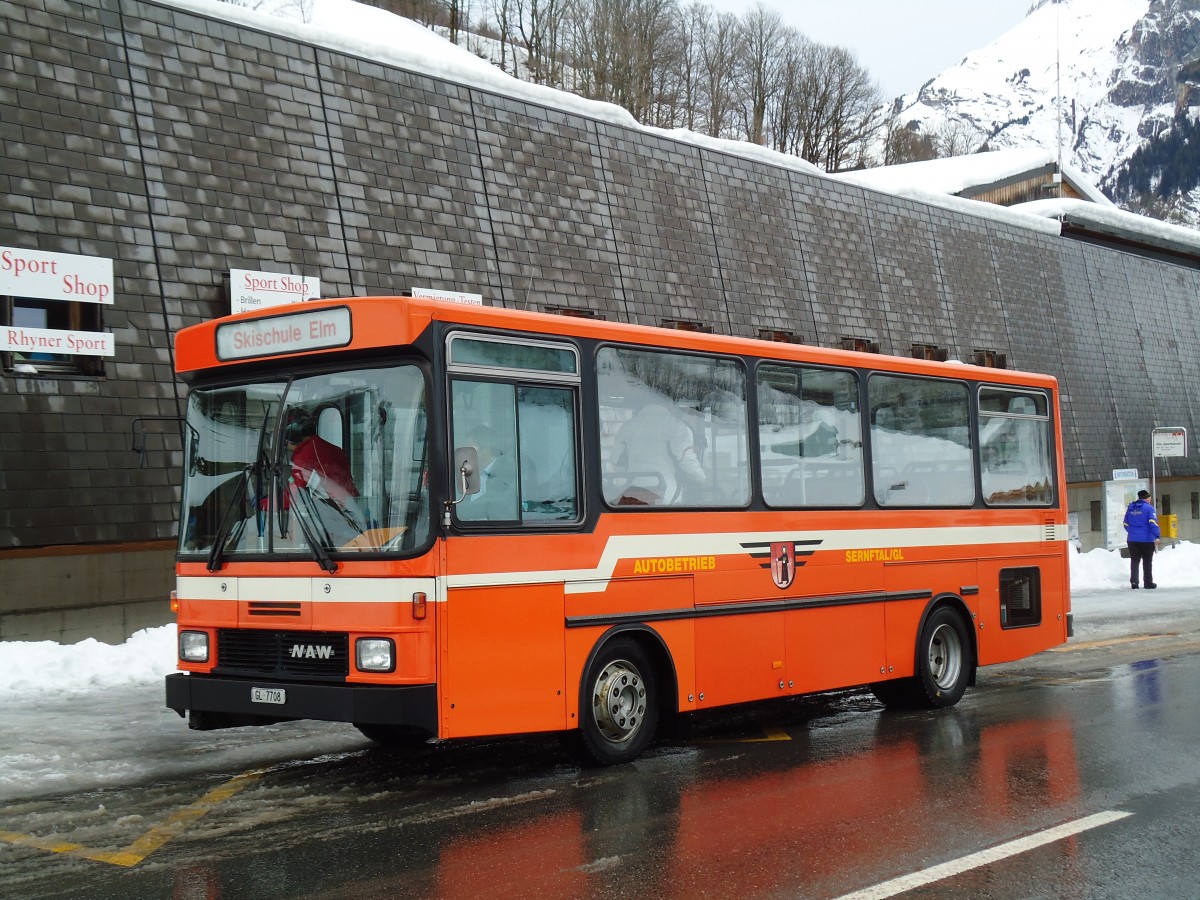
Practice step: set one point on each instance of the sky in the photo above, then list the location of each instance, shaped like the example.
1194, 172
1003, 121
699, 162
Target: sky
902, 43
90, 715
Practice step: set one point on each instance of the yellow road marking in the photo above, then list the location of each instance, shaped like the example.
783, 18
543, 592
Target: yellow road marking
152, 840
1089, 645
769, 734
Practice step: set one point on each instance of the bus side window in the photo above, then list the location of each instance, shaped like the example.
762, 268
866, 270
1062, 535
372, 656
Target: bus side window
920, 441
1015, 447
549, 467
673, 429
525, 438
485, 417
810, 437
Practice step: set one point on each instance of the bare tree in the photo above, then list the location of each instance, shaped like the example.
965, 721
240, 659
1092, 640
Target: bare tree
595, 47
719, 66
784, 114
625, 53
828, 106
501, 11
957, 137
540, 25
762, 37
425, 12
693, 23
853, 115
904, 143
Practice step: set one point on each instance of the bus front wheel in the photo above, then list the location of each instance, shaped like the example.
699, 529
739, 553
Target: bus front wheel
943, 666
618, 708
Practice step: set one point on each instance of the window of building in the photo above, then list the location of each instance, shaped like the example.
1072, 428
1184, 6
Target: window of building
1097, 515
53, 315
1195, 505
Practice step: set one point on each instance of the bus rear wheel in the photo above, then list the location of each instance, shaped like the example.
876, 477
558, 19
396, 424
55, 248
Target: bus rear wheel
943, 666
619, 704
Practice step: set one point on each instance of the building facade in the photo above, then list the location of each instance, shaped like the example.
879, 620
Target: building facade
182, 147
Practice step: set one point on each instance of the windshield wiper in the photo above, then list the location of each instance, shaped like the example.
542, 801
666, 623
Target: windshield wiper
308, 519
228, 524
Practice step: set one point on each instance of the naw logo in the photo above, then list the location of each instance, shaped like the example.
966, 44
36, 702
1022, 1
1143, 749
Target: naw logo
311, 651
783, 558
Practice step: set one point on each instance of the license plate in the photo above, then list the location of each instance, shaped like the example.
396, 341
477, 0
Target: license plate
268, 695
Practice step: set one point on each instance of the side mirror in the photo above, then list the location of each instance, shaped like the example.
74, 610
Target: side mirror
466, 468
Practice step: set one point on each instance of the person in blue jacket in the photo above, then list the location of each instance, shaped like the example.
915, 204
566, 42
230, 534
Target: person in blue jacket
1141, 526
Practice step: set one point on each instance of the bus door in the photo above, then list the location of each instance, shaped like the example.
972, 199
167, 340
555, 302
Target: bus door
514, 422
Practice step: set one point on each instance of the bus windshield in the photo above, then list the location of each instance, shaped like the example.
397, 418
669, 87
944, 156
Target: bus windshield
319, 466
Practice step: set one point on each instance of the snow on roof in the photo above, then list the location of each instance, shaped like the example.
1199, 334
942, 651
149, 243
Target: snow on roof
956, 174
1113, 221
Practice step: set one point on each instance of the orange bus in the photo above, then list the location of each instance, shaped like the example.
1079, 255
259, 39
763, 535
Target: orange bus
432, 519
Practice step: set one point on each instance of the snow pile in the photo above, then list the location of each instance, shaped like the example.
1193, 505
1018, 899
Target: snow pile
1099, 570
29, 667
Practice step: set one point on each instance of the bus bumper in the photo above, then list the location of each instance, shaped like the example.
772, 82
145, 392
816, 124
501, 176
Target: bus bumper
214, 702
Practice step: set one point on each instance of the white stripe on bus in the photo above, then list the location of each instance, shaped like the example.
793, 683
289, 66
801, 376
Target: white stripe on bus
643, 546
290, 589
596, 579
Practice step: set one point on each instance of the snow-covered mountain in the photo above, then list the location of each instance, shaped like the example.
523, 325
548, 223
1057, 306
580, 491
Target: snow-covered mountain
1097, 78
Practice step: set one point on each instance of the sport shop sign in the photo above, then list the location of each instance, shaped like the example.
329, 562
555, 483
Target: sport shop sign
39, 275
55, 276
256, 290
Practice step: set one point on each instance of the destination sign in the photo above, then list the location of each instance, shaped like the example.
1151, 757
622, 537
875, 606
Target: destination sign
291, 333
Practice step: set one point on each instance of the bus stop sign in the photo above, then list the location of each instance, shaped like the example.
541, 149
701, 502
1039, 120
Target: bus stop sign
1169, 442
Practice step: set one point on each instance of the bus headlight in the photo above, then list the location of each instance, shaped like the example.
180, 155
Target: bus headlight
375, 654
193, 646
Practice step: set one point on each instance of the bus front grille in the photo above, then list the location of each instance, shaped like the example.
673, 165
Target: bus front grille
309, 654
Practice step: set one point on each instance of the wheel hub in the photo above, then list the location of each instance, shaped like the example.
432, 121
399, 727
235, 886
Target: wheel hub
945, 657
619, 701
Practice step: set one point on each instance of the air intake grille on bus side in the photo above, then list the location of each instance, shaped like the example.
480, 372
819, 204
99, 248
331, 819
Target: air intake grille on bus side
312, 654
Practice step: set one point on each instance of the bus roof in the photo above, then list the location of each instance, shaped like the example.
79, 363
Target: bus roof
304, 330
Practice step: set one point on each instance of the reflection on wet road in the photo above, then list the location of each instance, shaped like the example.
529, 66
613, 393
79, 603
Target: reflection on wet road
841, 797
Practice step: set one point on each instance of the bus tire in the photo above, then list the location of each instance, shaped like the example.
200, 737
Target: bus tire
943, 660
943, 666
618, 704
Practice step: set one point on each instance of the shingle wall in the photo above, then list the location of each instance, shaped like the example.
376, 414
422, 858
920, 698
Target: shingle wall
181, 147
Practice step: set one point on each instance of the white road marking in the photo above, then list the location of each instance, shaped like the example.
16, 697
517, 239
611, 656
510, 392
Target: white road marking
984, 857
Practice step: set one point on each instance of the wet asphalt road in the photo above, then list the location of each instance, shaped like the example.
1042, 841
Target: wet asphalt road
817, 797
